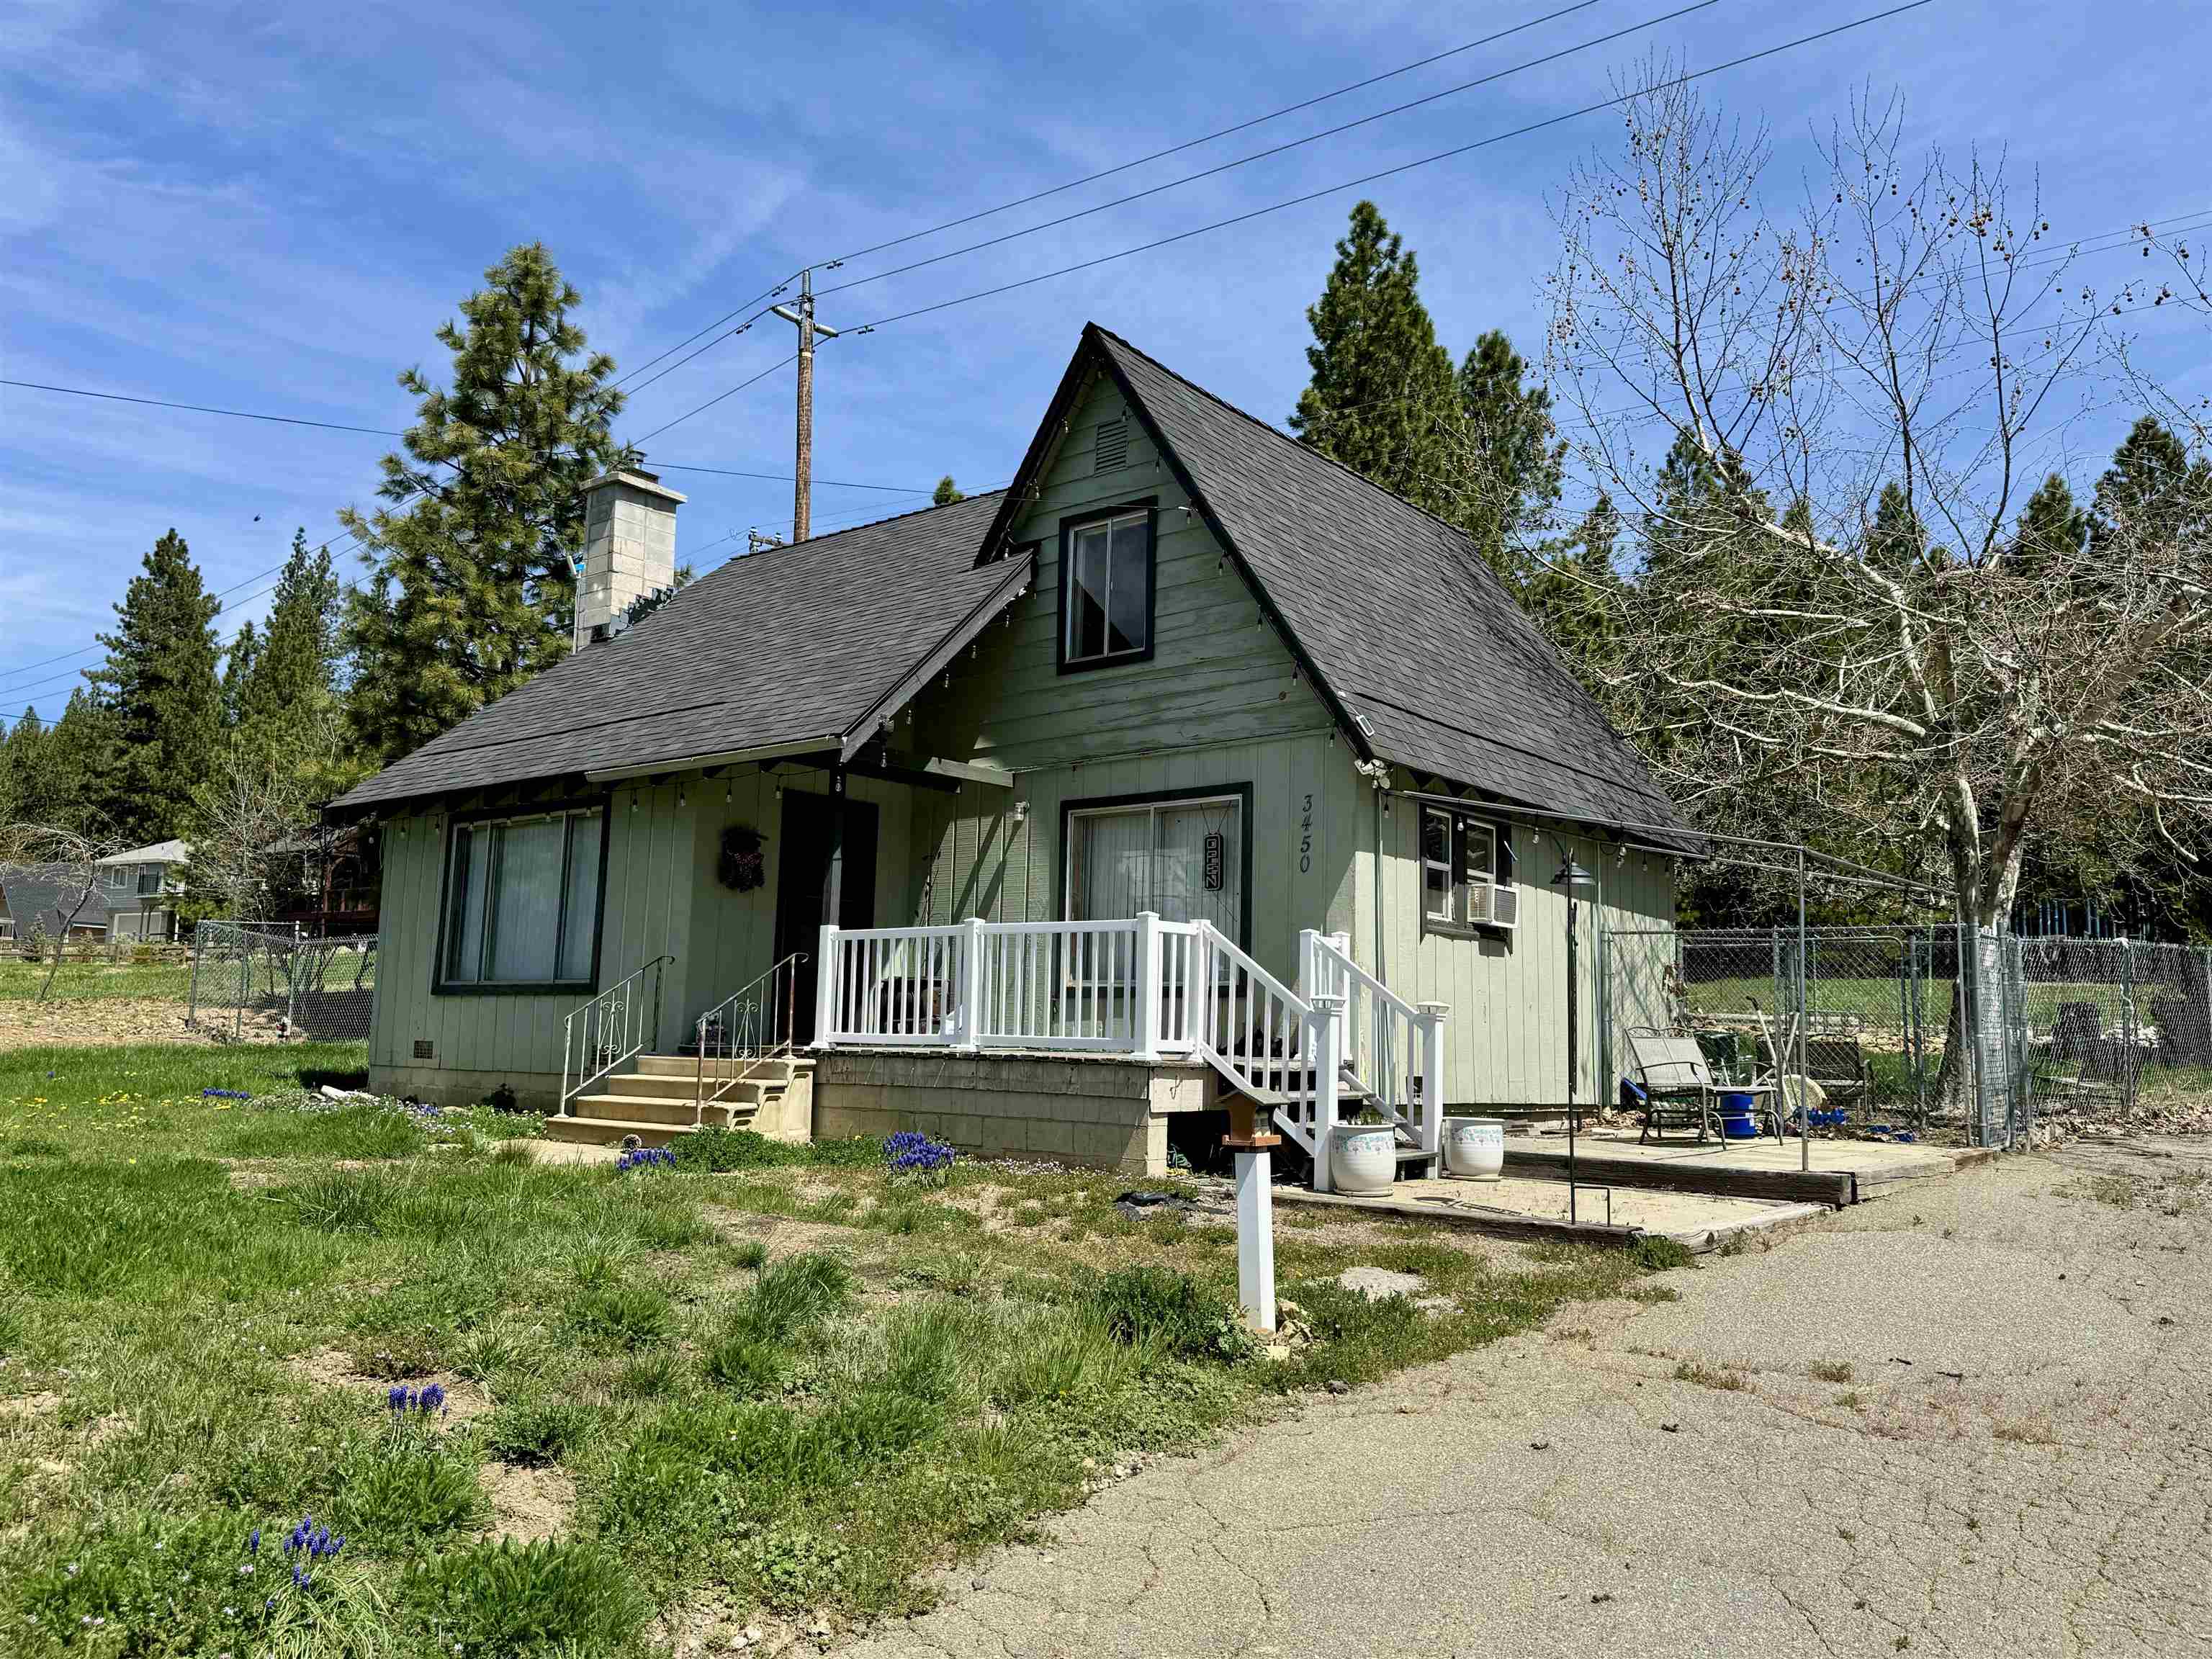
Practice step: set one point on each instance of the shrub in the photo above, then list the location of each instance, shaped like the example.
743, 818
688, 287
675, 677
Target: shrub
489, 1601
1656, 1253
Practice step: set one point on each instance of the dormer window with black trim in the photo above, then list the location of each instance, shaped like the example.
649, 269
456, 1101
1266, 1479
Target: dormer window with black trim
1106, 587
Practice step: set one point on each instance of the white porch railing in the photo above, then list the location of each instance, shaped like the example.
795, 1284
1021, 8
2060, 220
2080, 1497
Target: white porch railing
1150, 990
1391, 1048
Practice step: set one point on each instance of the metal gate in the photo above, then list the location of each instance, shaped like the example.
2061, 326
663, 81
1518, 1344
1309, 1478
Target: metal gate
261, 981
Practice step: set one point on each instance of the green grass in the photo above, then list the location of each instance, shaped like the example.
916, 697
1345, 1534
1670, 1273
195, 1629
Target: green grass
203, 1303
77, 980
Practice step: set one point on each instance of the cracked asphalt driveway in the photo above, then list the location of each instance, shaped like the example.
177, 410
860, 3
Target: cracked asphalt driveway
1972, 1418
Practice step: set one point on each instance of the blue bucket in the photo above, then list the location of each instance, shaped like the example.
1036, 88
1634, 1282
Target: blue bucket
1737, 1123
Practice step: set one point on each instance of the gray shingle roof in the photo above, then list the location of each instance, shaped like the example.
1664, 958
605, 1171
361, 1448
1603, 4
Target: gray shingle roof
787, 645
50, 891
1397, 613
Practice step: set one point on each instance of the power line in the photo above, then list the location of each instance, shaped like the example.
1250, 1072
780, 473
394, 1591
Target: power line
1207, 138
202, 408
1076, 184
1275, 149
1390, 172
750, 378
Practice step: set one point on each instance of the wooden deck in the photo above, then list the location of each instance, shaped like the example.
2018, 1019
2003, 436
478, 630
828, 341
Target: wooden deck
1842, 1171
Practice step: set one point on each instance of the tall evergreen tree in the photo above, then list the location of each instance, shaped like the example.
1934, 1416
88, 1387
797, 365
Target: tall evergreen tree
1382, 399
290, 678
2052, 530
237, 669
160, 694
947, 492
475, 584
1512, 459
1573, 597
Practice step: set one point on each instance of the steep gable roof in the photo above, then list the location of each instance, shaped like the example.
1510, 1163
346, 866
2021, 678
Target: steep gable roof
794, 646
1406, 629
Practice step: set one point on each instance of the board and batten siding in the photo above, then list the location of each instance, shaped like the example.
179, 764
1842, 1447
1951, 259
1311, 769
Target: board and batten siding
1506, 1035
662, 895
1220, 705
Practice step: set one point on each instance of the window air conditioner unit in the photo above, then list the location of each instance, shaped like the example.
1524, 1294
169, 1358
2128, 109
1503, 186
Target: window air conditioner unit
1503, 904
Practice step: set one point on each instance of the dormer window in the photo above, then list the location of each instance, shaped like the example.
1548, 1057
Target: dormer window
1106, 588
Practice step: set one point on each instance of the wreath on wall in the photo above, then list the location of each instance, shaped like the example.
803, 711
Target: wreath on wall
744, 864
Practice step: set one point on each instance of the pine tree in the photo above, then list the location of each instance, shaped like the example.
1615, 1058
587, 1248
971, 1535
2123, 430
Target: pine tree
1512, 459
947, 492
159, 691
2053, 530
475, 584
2152, 488
290, 680
237, 669
72, 758
1382, 399
1896, 542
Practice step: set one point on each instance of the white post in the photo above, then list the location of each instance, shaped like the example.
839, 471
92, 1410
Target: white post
1432, 1022
1309, 985
1145, 1015
826, 970
1325, 1034
971, 985
1255, 1236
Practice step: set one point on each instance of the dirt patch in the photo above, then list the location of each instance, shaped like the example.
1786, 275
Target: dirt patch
26, 1406
97, 1023
335, 1368
528, 1504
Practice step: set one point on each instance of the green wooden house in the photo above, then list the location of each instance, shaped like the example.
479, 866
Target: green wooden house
1189, 764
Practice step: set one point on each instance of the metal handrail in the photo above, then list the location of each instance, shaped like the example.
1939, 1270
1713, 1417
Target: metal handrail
612, 1023
756, 1024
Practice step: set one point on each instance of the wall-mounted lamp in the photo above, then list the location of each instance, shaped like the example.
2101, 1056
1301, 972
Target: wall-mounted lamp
1021, 811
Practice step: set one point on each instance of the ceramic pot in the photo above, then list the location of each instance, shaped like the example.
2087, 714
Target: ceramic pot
1363, 1158
1475, 1146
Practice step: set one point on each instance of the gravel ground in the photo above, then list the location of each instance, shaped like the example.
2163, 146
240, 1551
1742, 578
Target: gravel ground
95, 1023
2018, 1462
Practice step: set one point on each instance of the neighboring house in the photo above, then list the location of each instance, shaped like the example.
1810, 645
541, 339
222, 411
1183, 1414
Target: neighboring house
140, 889
1183, 665
49, 893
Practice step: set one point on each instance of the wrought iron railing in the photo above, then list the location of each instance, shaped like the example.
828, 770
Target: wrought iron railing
751, 1027
611, 1029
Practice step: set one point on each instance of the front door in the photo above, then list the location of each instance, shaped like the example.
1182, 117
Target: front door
802, 877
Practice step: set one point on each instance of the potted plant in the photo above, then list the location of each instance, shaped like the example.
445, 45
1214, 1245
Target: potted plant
1475, 1147
1363, 1153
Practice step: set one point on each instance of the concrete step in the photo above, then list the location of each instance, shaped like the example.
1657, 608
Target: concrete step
677, 1113
613, 1131
784, 1067
648, 1086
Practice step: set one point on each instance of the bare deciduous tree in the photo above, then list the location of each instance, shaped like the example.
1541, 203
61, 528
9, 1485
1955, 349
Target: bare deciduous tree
1829, 422
245, 814
69, 859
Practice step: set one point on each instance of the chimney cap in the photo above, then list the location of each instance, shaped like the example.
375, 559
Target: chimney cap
636, 477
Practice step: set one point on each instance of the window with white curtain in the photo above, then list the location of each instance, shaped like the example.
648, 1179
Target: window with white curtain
1184, 859
522, 899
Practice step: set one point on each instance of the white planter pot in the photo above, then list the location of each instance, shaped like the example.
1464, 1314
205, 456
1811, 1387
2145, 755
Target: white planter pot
1475, 1146
1363, 1158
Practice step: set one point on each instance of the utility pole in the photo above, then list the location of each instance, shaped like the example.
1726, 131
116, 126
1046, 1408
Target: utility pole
802, 482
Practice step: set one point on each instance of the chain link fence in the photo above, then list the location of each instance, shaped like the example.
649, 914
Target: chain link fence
1926, 1032
261, 981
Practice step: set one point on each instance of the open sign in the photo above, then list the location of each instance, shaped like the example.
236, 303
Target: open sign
1215, 845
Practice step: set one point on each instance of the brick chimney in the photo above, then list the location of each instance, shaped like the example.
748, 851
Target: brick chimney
630, 549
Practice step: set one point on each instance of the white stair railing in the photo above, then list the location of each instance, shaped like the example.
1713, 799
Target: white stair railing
1141, 987
1392, 1049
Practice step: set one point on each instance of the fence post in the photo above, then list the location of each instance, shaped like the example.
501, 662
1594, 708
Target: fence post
971, 985
1145, 1015
192, 986
1328, 1054
825, 987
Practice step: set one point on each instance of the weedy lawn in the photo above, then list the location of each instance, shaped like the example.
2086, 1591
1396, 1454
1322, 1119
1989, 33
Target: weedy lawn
369, 1382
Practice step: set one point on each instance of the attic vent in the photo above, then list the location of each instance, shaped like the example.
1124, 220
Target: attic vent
1110, 448
422, 1049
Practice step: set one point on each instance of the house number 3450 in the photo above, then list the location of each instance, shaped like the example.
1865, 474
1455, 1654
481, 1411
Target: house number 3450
1305, 837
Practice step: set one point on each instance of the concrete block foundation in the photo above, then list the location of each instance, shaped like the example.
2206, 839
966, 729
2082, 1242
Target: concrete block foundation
1104, 1111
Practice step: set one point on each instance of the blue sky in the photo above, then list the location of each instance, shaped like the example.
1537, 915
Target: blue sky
272, 208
